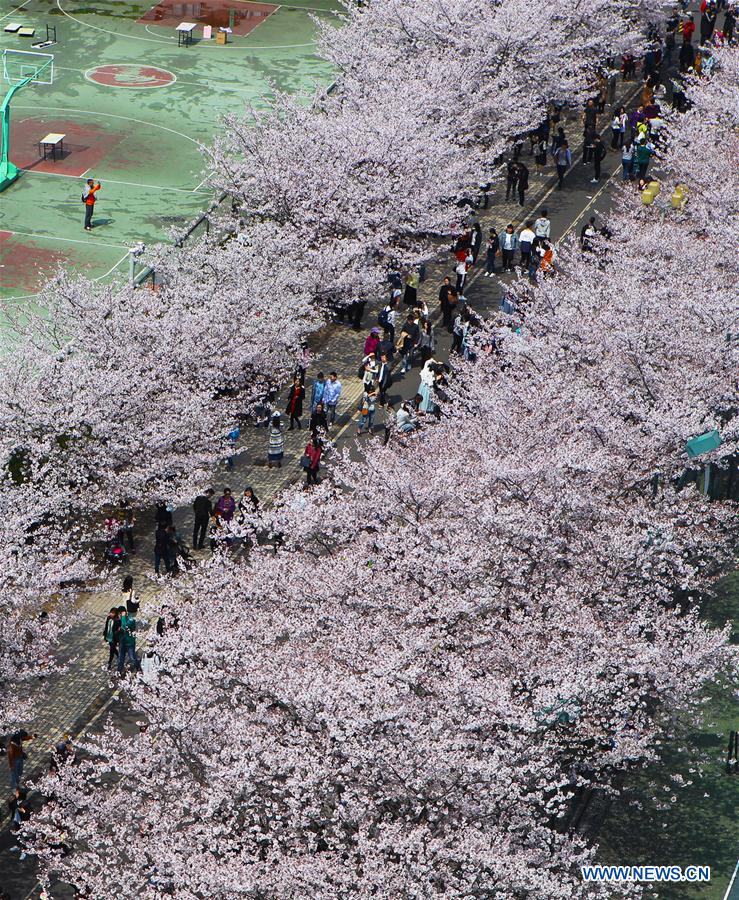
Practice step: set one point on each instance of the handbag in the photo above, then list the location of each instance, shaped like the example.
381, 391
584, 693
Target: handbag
305, 461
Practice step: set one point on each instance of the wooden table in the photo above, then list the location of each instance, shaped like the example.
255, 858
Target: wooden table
184, 33
53, 141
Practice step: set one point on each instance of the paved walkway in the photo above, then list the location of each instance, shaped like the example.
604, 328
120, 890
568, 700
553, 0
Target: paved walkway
73, 698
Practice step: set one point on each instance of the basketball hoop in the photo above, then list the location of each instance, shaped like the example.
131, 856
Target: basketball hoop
20, 68
27, 66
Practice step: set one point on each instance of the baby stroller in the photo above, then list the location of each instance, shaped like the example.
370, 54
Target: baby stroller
182, 557
114, 552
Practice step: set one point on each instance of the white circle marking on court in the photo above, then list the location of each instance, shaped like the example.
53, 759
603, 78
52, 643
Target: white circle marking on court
135, 87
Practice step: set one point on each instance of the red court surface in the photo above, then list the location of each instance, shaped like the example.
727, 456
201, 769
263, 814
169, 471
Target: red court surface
169, 14
85, 145
130, 76
24, 262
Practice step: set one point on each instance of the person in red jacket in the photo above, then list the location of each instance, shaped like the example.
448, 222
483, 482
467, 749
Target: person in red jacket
688, 29
313, 452
89, 200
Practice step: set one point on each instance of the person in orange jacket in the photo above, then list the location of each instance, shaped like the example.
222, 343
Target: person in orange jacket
88, 198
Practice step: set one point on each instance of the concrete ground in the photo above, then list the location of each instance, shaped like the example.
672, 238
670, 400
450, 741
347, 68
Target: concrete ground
135, 107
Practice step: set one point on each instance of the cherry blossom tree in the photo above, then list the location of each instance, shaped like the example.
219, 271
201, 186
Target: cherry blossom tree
451, 639
426, 99
109, 393
404, 690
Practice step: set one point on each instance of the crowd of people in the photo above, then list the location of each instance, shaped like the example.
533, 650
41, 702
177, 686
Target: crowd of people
404, 337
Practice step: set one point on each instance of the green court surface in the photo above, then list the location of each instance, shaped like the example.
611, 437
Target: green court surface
134, 107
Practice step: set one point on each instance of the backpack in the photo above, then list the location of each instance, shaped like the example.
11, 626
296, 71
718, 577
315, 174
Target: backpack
383, 317
84, 198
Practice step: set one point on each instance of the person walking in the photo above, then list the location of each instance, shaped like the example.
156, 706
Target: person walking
369, 371
644, 152
276, 445
294, 407
444, 292
451, 311
317, 389
461, 270
599, 154
512, 179
367, 410
508, 246
161, 549
542, 226
386, 318
127, 520
226, 505
708, 23
127, 641
525, 242
426, 341
318, 421
217, 536
312, 461
729, 24
111, 634
88, 198
384, 377
202, 507
523, 183
371, 341
331, 394
16, 756
248, 504
492, 249
559, 138
563, 161
20, 812
458, 332
587, 233
407, 344
627, 160
618, 128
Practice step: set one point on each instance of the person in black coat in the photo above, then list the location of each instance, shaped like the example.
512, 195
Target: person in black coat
163, 515
493, 246
512, 180
729, 24
318, 421
161, 549
384, 377
708, 23
476, 240
523, 182
202, 507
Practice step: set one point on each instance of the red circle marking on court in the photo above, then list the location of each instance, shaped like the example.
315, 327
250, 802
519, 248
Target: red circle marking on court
130, 76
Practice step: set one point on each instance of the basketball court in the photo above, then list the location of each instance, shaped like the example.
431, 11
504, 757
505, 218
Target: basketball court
132, 105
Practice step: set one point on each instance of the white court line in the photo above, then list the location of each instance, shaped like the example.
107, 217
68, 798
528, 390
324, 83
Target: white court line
206, 45
86, 113
333, 12
153, 187
221, 85
52, 237
146, 28
122, 259
8, 15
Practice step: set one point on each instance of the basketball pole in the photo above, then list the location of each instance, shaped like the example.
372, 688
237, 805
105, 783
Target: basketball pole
8, 171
